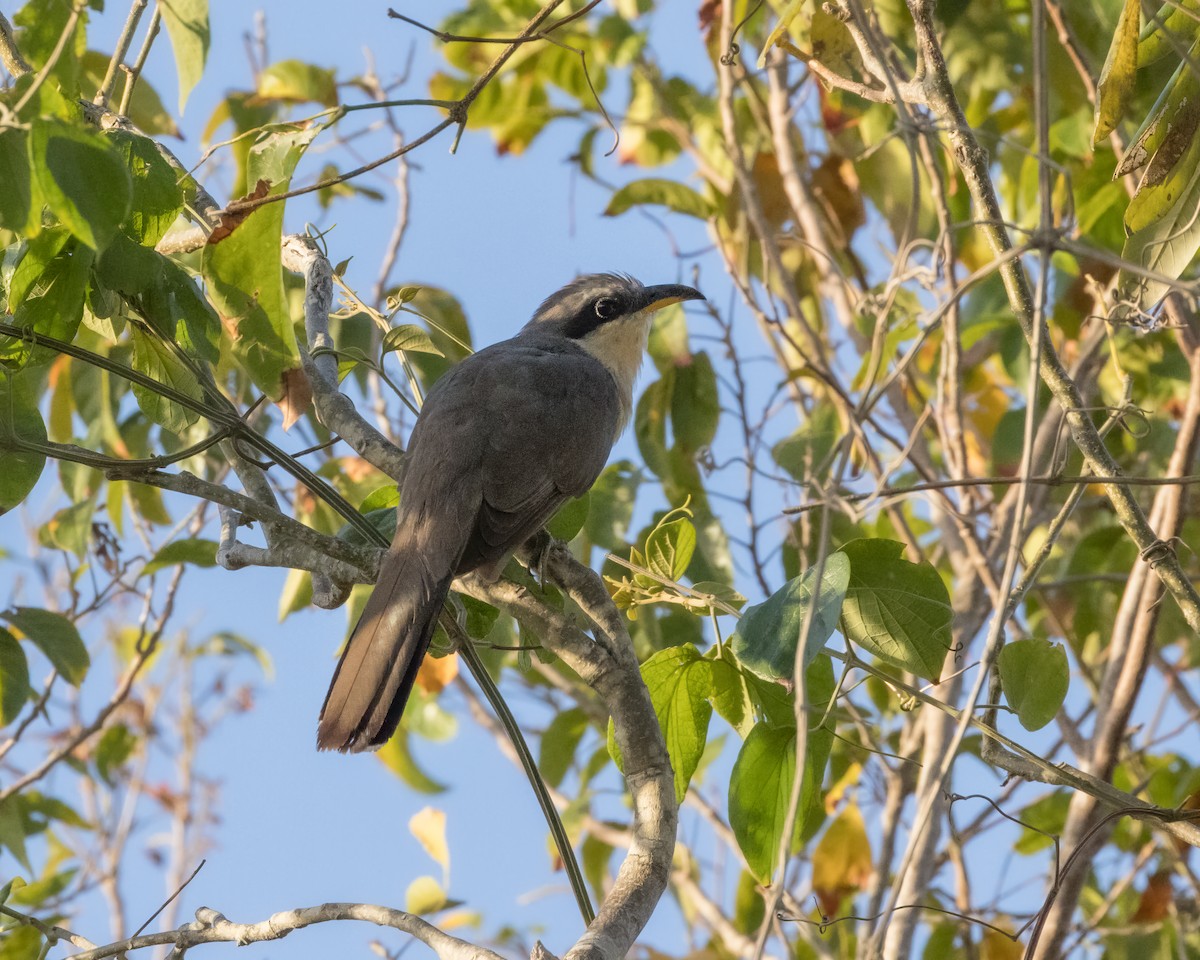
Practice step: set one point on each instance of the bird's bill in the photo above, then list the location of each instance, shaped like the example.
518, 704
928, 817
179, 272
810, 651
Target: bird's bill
655, 298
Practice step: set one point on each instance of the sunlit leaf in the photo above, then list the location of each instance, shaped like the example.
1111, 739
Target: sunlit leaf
409, 337
1117, 77
298, 81
672, 194
428, 825
187, 26
242, 264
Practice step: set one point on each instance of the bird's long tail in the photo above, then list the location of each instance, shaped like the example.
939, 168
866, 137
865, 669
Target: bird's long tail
380, 661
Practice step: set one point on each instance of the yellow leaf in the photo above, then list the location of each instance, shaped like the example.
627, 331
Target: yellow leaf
841, 862
847, 780
428, 825
424, 895
996, 946
1120, 70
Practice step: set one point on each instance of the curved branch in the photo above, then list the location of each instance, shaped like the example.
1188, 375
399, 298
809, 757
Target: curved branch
212, 927
607, 663
334, 408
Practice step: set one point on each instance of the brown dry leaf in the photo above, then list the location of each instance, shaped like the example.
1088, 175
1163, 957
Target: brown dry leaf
841, 862
305, 501
356, 469
836, 183
435, 673
772, 196
297, 396
1156, 899
229, 221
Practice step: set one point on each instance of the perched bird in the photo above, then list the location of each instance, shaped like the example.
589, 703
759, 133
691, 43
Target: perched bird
503, 440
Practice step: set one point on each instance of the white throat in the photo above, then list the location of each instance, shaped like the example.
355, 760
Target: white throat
621, 347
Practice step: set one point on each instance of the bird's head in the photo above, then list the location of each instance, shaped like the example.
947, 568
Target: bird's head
609, 316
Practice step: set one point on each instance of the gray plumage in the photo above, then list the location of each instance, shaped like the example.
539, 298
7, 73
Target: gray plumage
502, 441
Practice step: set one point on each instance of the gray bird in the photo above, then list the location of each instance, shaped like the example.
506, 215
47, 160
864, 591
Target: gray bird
503, 440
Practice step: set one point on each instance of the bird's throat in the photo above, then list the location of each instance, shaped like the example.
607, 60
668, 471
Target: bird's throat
621, 347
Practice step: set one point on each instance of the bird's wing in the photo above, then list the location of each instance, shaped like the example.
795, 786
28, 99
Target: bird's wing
533, 462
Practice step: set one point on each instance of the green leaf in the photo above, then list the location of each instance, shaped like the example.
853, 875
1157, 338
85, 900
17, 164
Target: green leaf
806, 449
611, 505
695, 406
156, 360
409, 337
19, 418
57, 307
669, 548
650, 424
242, 265
83, 180
557, 749
730, 693
70, 529
1169, 241
16, 199
396, 756
671, 194
1177, 23
380, 498
769, 632
570, 518
1171, 171
897, 610
297, 81
224, 643
115, 747
199, 553
383, 519
760, 786
1172, 108
14, 678
296, 593
779, 32
1034, 675
680, 682
1119, 72
35, 257
187, 26
157, 199
56, 637
12, 830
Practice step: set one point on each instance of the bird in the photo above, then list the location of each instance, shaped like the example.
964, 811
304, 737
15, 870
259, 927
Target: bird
503, 439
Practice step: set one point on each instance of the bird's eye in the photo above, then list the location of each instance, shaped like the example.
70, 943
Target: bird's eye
607, 308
